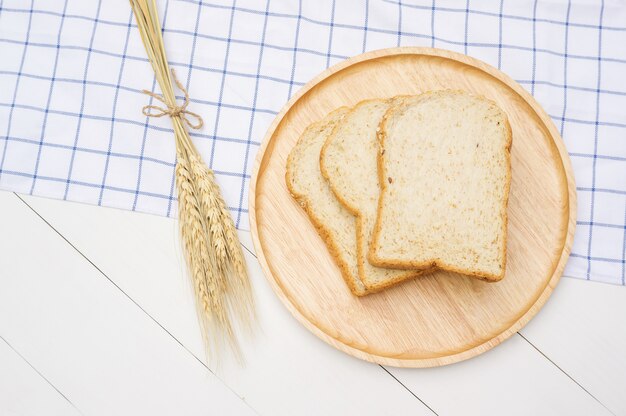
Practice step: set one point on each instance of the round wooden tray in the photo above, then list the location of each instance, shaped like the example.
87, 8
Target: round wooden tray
441, 318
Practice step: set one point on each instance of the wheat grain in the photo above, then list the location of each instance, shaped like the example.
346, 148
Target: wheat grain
210, 205
224, 242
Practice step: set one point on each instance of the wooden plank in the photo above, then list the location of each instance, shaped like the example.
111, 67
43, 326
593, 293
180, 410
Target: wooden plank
25, 392
149, 236
582, 330
88, 339
512, 379
288, 370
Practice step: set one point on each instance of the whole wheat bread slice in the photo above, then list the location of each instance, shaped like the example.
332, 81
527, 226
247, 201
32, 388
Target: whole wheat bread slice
334, 223
445, 172
348, 161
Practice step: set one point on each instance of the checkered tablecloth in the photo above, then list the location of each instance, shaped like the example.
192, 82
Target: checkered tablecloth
72, 71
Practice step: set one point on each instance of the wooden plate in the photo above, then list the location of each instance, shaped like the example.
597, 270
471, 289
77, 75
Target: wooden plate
441, 318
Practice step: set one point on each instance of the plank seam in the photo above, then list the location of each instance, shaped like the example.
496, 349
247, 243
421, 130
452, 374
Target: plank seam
41, 374
564, 372
409, 390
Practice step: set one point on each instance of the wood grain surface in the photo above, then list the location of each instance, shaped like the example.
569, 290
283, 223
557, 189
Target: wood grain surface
441, 318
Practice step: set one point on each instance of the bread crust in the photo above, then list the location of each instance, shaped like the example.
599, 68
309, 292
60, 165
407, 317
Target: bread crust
436, 262
361, 249
321, 229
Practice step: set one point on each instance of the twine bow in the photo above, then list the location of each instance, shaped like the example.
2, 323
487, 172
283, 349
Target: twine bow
172, 110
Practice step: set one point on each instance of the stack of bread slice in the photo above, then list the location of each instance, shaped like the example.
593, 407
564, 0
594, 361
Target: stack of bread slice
402, 186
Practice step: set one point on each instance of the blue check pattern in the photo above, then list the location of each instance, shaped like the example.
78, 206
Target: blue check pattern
72, 71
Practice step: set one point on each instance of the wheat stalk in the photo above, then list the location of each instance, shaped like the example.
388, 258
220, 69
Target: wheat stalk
212, 250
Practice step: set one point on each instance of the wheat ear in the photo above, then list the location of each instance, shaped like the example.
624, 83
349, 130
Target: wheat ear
224, 243
207, 281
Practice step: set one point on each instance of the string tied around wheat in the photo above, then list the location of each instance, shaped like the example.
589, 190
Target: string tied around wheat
172, 110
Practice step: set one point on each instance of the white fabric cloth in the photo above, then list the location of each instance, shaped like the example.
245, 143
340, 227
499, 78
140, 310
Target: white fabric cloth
72, 71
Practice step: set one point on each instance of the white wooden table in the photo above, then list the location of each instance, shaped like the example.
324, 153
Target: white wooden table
97, 318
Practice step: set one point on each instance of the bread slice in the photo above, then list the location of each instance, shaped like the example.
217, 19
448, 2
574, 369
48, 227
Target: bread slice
445, 172
349, 162
334, 223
